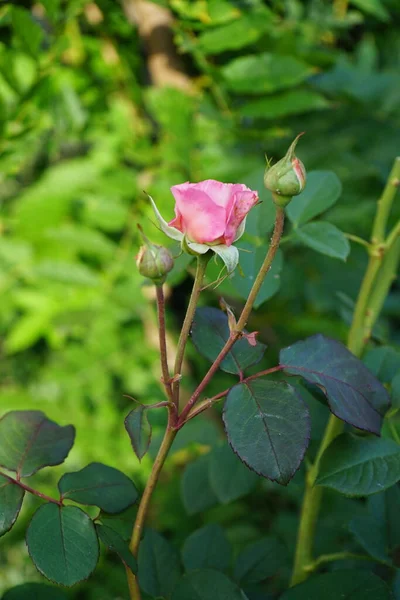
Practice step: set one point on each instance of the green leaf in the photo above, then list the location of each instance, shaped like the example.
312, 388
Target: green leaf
139, 430
207, 548
27, 30
396, 391
114, 542
34, 591
384, 509
206, 584
263, 73
210, 331
63, 544
251, 260
233, 36
350, 584
99, 485
369, 533
260, 560
384, 362
196, 490
11, 497
260, 220
229, 478
159, 567
353, 393
121, 523
359, 466
29, 441
291, 102
323, 189
372, 7
268, 426
324, 238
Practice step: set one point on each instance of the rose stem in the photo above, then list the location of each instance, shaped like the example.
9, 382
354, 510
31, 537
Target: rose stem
236, 334
357, 340
202, 262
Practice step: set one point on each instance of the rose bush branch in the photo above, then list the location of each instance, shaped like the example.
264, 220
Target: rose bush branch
375, 286
209, 217
31, 490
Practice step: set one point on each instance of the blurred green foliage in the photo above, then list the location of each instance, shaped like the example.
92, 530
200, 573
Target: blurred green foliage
83, 131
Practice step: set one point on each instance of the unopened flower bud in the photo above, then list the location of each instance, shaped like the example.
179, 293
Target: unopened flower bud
287, 178
154, 261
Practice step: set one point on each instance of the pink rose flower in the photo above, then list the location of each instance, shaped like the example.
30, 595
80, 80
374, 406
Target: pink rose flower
209, 215
211, 212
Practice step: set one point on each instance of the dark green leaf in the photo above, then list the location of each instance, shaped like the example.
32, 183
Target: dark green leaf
207, 548
210, 331
347, 585
260, 220
260, 560
11, 497
251, 260
291, 102
353, 393
139, 430
396, 391
34, 591
99, 485
324, 238
63, 544
29, 441
122, 523
206, 585
384, 509
268, 426
323, 189
159, 567
384, 362
369, 533
114, 542
27, 30
359, 466
263, 73
229, 478
197, 493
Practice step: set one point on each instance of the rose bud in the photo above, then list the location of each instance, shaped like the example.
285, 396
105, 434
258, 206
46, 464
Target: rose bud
287, 178
153, 261
209, 215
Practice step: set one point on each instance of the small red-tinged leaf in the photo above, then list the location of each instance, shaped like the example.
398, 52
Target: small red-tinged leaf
63, 543
139, 430
29, 441
11, 497
268, 426
117, 544
99, 485
353, 393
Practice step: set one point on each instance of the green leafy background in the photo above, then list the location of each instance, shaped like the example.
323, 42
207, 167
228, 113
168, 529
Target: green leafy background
84, 128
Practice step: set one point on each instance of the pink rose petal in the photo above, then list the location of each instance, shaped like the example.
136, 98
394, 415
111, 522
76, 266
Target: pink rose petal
198, 217
244, 201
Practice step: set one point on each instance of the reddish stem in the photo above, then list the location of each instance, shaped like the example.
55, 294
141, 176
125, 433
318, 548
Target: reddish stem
27, 488
163, 341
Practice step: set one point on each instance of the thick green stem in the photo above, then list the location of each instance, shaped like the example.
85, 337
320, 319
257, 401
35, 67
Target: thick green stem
373, 291
202, 262
144, 505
